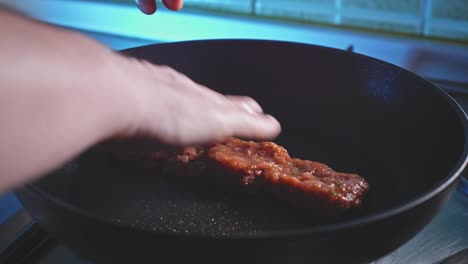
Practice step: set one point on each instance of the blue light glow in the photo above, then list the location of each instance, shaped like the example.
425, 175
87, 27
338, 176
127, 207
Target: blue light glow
166, 26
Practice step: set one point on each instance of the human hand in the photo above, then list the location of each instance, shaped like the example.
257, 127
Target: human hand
170, 108
58, 98
149, 6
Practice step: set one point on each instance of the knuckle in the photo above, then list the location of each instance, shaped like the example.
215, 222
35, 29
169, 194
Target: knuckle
171, 73
167, 69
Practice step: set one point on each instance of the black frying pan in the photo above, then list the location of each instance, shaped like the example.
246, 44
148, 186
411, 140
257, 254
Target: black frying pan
354, 113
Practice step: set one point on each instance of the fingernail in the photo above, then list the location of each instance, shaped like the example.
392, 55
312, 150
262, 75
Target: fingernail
272, 120
254, 106
248, 108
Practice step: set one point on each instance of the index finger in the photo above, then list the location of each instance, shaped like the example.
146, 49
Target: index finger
149, 6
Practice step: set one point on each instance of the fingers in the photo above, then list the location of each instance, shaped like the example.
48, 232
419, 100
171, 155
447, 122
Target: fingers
173, 5
146, 6
149, 6
174, 110
250, 122
246, 103
253, 126
247, 120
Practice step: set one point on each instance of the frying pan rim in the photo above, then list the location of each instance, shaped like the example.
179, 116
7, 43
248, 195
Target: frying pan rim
440, 186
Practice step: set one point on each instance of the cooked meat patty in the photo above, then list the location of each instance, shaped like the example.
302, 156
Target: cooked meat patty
265, 166
307, 183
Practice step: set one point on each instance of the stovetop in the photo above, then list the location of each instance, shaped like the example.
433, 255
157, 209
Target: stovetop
22, 241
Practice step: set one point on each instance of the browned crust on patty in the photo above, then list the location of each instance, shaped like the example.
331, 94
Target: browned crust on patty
265, 166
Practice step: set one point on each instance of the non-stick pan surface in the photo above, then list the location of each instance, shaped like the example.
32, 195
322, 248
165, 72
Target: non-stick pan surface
356, 114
